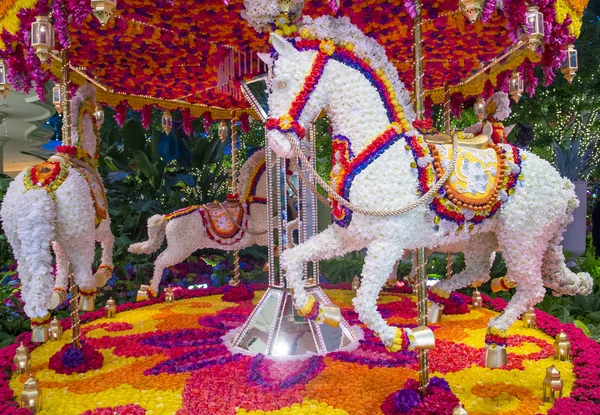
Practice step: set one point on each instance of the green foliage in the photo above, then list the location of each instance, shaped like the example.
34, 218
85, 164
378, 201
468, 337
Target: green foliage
343, 269
12, 317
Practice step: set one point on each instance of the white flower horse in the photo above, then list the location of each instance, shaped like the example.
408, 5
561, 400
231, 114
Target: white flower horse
382, 164
229, 226
61, 202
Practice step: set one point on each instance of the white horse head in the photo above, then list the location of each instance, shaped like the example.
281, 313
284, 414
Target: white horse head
84, 131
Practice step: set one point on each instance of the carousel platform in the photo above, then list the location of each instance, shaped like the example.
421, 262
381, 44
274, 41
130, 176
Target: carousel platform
162, 358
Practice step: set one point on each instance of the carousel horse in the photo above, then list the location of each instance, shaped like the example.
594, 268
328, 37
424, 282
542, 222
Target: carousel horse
230, 226
61, 202
497, 198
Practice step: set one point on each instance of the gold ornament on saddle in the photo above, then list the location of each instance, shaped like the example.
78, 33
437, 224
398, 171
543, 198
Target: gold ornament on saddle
562, 347
169, 295
22, 360
529, 318
552, 385
110, 309
502, 284
55, 330
31, 398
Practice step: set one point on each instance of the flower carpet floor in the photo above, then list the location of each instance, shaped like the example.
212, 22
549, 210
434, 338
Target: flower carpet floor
165, 359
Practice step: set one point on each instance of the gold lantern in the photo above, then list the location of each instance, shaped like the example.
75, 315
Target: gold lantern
31, 398
42, 37
535, 20
167, 122
99, 116
169, 295
142, 294
471, 9
479, 108
55, 331
529, 318
22, 360
355, 283
434, 312
104, 10
222, 131
476, 299
57, 98
3, 81
110, 309
515, 86
569, 66
459, 410
552, 385
562, 347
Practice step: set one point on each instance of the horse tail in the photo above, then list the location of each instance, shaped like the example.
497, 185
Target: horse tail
35, 228
156, 235
557, 276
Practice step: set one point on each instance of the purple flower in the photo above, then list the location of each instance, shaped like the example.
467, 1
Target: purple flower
73, 357
439, 383
405, 400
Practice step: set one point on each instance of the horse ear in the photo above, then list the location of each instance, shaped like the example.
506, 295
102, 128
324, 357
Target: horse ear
508, 129
266, 58
487, 129
282, 46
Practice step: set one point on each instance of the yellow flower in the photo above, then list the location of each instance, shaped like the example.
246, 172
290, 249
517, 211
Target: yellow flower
285, 122
327, 47
350, 47
305, 33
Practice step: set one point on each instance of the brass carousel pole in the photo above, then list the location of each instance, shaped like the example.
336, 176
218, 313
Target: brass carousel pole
447, 130
234, 188
421, 284
74, 302
66, 127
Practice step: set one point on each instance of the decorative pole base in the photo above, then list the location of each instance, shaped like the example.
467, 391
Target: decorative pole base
40, 334
434, 312
495, 356
275, 328
87, 302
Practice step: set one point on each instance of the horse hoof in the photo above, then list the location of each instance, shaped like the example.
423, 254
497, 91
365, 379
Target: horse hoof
495, 356
142, 294
421, 338
331, 315
58, 296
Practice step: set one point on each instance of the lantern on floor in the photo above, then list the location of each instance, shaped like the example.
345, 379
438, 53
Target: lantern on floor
57, 98
476, 299
552, 385
169, 295
222, 131
22, 360
479, 108
104, 10
110, 309
471, 9
529, 318
55, 331
515, 86
167, 122
562, 347
42, 37
355, 283
31, 398
459, 410
535, 21
3, 81
569, 66
99, 116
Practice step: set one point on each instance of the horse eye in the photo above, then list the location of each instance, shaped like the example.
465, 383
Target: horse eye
282, 84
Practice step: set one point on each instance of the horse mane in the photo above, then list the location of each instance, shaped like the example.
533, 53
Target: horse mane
248, 168
84, 96
341, 31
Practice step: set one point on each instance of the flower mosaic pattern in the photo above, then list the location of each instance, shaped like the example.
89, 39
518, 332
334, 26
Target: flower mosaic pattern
170, 359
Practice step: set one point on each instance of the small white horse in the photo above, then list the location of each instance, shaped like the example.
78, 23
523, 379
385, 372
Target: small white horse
381, 164
62, 203
211, 225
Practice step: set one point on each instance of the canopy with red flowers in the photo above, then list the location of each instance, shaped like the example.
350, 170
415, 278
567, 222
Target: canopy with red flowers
190, 54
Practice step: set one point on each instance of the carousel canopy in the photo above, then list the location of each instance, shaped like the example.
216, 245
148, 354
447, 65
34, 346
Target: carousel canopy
192, 54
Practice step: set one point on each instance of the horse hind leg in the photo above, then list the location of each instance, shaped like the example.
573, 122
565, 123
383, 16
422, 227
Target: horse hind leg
59, 294
107, 241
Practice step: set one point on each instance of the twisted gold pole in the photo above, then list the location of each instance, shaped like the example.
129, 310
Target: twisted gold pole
447, 128
74, 302
66, 127
234, 188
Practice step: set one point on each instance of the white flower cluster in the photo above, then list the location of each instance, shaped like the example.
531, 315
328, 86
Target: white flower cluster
261, 14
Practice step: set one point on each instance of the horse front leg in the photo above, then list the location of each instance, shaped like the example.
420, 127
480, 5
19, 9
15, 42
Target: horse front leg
107, 241
61, 282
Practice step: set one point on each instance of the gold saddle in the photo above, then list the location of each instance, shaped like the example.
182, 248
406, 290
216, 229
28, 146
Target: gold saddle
464, 139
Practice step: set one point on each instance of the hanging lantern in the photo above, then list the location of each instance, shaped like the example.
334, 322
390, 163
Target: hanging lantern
552, 385
562, 347
110, 309
22, 360
223, 130
57, 99
529, 318
569, 66
515, 86
471, 9
3, 81
42, 37
167, 122
104, 10
535, 20
99, 116
479, 108
31, 398
55, 331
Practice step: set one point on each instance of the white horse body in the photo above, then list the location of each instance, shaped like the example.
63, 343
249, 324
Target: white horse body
527, 231
64, 218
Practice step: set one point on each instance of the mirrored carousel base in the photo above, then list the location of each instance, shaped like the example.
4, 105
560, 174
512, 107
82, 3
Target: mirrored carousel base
274, 328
